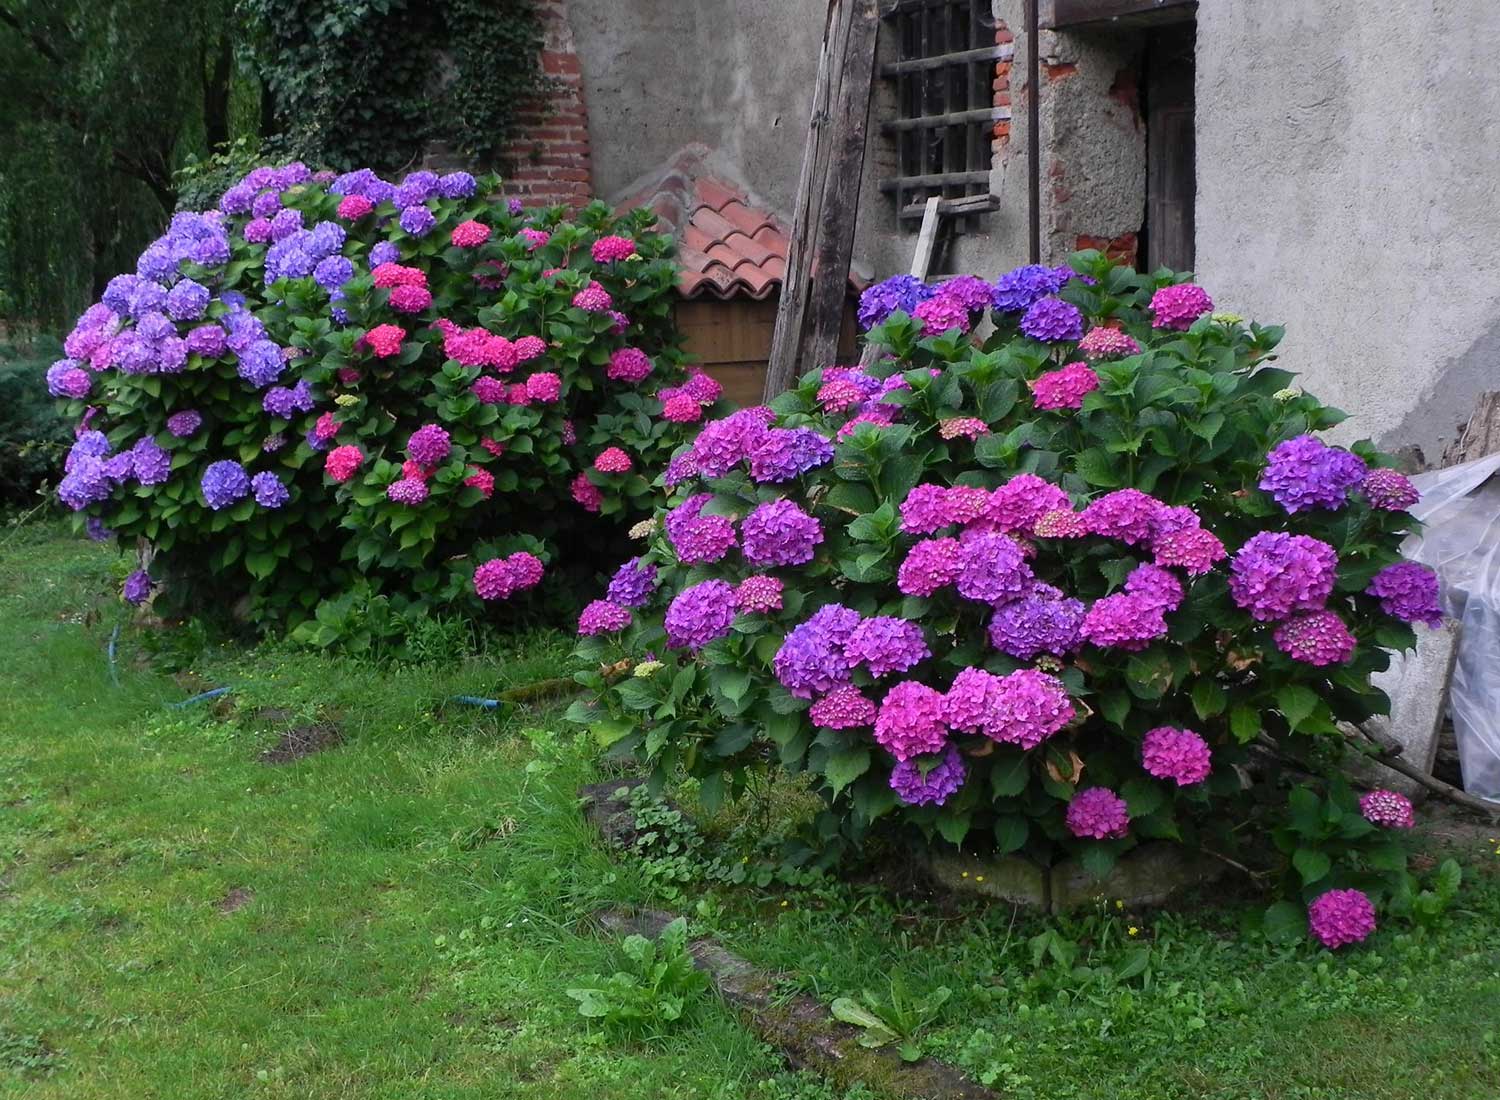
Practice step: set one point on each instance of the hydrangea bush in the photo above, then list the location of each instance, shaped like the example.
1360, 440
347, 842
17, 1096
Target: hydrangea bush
1086, 582
332, 383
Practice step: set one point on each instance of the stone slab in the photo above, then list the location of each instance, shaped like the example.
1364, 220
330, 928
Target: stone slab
1417, 683
803, 1028
1011, 879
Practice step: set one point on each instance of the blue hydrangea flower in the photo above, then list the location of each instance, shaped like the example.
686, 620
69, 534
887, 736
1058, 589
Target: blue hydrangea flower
224, 483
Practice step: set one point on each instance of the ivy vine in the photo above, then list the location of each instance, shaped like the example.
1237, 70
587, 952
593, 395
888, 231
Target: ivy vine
372, 82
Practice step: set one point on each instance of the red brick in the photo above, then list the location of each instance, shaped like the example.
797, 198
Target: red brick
1060, 70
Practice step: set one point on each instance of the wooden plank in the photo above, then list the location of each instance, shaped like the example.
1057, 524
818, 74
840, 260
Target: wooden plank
822, 244
962, 57
921, 257
953, 118
1081, 13
934, 179
968, 205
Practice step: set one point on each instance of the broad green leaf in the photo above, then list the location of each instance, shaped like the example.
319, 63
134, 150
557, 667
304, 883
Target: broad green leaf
1312, 864
845, 767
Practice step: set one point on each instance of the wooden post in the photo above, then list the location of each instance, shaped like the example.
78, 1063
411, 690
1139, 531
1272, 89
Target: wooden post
823, 221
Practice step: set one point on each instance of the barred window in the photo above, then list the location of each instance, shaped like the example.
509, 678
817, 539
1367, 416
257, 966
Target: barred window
944, 77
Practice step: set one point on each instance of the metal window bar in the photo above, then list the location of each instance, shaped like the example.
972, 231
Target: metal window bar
943, 76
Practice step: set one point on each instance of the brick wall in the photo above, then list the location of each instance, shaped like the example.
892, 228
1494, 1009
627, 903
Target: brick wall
1002, 89
549, 160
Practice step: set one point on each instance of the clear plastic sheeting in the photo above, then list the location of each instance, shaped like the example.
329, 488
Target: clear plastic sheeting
1461, 541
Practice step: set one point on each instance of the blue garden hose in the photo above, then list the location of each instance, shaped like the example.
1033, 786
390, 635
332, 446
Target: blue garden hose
114, 671
200, 697
476, 701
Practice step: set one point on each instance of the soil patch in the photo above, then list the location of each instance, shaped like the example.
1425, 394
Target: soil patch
302, 741
235, 900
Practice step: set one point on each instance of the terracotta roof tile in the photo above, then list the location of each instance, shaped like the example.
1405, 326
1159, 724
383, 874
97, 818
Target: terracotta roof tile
728, 247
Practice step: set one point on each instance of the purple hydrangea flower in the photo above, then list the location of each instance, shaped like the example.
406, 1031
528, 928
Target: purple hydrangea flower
886, 644
811, 659
269, 491
991, 568
261, 363
785, 453
224, 483
1099, 814
780, 533
969, 291
96, 531
1051, 320
185, 423
1387, 809
1408, 591
384, 252
1043, 620
208, 341
697, 538
1017, 291
137, 587
899, 292
724, 443
1389, 491
86, 482
285, 223
1153, 584
333, 272
1340, 917
632, 584
65, 378
429, 445
931, 787
187, 300
700, 614
151, 464
1275, 574
1305, 472
457, 185
602, 617
1316, 638
417, 220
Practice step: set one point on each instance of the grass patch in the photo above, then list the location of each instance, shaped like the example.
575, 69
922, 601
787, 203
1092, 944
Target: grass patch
401, 912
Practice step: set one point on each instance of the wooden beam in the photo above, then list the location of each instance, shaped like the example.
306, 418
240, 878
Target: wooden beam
934, 179
952, 118
827, 205
1077, 14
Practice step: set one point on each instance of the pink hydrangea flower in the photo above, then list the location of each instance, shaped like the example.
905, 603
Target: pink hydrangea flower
1316, 638
593, 299
759, 594
544, 387
1389, 490
838, 395
489, 390
910, 721
939, 314
842, 708
602, 617
682, 408
1060, 523
610, 249
930, 565
482, 480
1192, 549
1024, 708
534, 238
389, 275
326, 427
528, 348
612, 460
586, 493
1102, 342
385, 340
1387, 809
628, 365
1341, 917
493, 446
1176, 754
527, 568
342, 462
517, 394
1064, 388
415, 470
1021, 502
470, 234
1177, 307
1124, 621
410, 299
965, 427
1098, 814
354, 207
1124, 514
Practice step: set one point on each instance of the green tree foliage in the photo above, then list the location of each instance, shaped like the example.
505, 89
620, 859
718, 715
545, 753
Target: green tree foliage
104, 102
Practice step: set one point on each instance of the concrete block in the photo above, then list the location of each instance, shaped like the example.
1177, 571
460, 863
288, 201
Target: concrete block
1417, 683
1011, 879
1147, 875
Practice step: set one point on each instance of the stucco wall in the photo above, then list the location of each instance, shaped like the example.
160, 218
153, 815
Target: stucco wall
738, 77
1349, 186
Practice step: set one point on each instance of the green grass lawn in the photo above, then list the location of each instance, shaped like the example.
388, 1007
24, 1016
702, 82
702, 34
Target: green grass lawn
401, 915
